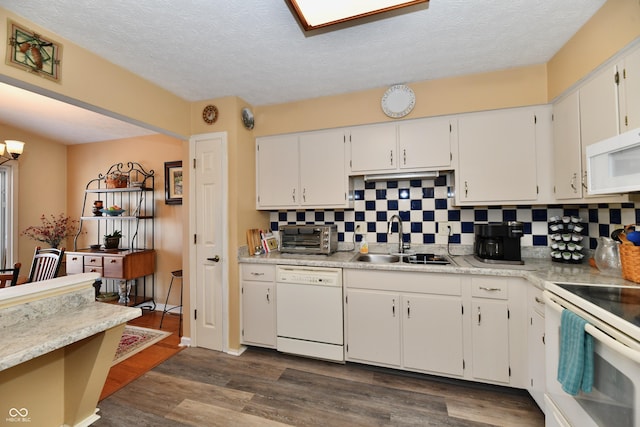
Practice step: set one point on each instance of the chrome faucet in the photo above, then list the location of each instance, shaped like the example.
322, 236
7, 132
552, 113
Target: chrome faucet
400, 243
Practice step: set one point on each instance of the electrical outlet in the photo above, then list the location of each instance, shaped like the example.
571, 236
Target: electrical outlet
445, 228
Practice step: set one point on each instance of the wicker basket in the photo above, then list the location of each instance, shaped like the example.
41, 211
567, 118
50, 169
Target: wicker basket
630, 260
116, 183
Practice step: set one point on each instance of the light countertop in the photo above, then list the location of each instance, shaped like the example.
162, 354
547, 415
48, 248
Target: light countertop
37, 318
536, 270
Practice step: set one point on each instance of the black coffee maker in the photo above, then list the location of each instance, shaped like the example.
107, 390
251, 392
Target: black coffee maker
498, 242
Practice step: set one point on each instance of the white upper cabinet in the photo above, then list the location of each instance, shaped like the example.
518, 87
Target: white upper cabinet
497, 155
407, 146
373, 148
302, 170
629, 90
599, 107
277, 171
567, 153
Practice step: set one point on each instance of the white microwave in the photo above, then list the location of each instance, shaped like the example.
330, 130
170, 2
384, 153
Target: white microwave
613, 165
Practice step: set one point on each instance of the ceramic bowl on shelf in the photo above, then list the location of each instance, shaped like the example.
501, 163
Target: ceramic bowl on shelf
114, 212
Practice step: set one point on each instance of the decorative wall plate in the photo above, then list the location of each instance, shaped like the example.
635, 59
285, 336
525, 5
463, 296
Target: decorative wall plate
398, 101
247, 118
210, 114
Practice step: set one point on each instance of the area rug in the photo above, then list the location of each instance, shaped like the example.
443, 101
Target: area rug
135, 339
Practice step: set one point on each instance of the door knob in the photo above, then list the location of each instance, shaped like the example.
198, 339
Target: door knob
214, 259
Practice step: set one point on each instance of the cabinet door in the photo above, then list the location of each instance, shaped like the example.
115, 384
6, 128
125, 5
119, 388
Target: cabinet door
567, 153
373, 327
490, 336
599, 108
432, 333
536, 355
75, 264
630, 92
277, 171
373, 148
259, 313
425, 144
323, 177
497, 152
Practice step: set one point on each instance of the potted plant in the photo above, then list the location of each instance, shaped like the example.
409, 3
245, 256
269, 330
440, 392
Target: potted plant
112, 241
53, 230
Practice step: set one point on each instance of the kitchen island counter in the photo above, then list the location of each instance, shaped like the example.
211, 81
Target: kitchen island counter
57, 346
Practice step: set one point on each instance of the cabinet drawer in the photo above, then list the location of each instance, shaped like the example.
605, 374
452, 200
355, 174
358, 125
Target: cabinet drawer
74, 264
93, 261
114, 267
489, 288
92, 269
258, 272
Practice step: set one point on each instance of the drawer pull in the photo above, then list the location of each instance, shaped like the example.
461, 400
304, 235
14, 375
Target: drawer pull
113, 261
92, 260
75, 258
253, 273
539, 300
484, 288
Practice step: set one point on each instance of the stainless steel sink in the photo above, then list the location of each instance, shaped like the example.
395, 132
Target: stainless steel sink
377, 258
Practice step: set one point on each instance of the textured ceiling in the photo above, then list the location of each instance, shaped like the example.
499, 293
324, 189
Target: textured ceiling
256, 50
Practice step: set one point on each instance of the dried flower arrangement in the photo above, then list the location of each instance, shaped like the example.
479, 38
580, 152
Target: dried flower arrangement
53, 230
117, 180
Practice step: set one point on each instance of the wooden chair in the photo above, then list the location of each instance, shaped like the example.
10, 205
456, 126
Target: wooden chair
9, 276
46, 264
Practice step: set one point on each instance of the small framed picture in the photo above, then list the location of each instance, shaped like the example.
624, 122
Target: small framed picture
173, 183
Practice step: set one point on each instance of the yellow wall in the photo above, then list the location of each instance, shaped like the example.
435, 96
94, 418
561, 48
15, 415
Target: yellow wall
500, 89
91, 80
614, 26
86, 161
42, 177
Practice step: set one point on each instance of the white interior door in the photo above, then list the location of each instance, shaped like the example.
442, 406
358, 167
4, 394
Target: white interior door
208, 215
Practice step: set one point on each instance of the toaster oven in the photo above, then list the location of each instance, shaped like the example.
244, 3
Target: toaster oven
309, 239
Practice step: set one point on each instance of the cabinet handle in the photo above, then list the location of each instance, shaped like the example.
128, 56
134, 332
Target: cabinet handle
584, 181
390, 157
75, 258
543, 342
479, 316
404, 155
466, 189
484, 288
408, 310
573, 182
304, 194
92, 260
393, 307
268, 297
293, 195
253, 273
539, 300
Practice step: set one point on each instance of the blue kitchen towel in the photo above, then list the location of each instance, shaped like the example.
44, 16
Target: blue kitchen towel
575, 367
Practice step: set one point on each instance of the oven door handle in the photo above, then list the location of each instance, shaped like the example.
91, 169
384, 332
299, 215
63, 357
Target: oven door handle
605, 339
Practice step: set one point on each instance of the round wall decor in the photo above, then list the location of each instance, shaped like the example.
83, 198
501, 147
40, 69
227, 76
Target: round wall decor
398, 101
210, 114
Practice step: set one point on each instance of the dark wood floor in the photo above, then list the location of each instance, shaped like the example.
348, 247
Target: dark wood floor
199, 387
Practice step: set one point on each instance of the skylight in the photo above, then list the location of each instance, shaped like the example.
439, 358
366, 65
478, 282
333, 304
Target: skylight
315, 14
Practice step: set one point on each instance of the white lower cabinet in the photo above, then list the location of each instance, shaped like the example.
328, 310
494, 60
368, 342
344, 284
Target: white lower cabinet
417, 327
258, 289
536, 344
373, 329
432, 333
490, 334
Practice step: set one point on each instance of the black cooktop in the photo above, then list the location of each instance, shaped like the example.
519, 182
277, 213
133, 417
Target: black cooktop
624, 302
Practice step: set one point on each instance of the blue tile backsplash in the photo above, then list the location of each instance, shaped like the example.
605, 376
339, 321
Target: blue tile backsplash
422, 204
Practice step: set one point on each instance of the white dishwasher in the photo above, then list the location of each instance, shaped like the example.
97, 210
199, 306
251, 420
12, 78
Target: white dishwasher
309, 320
